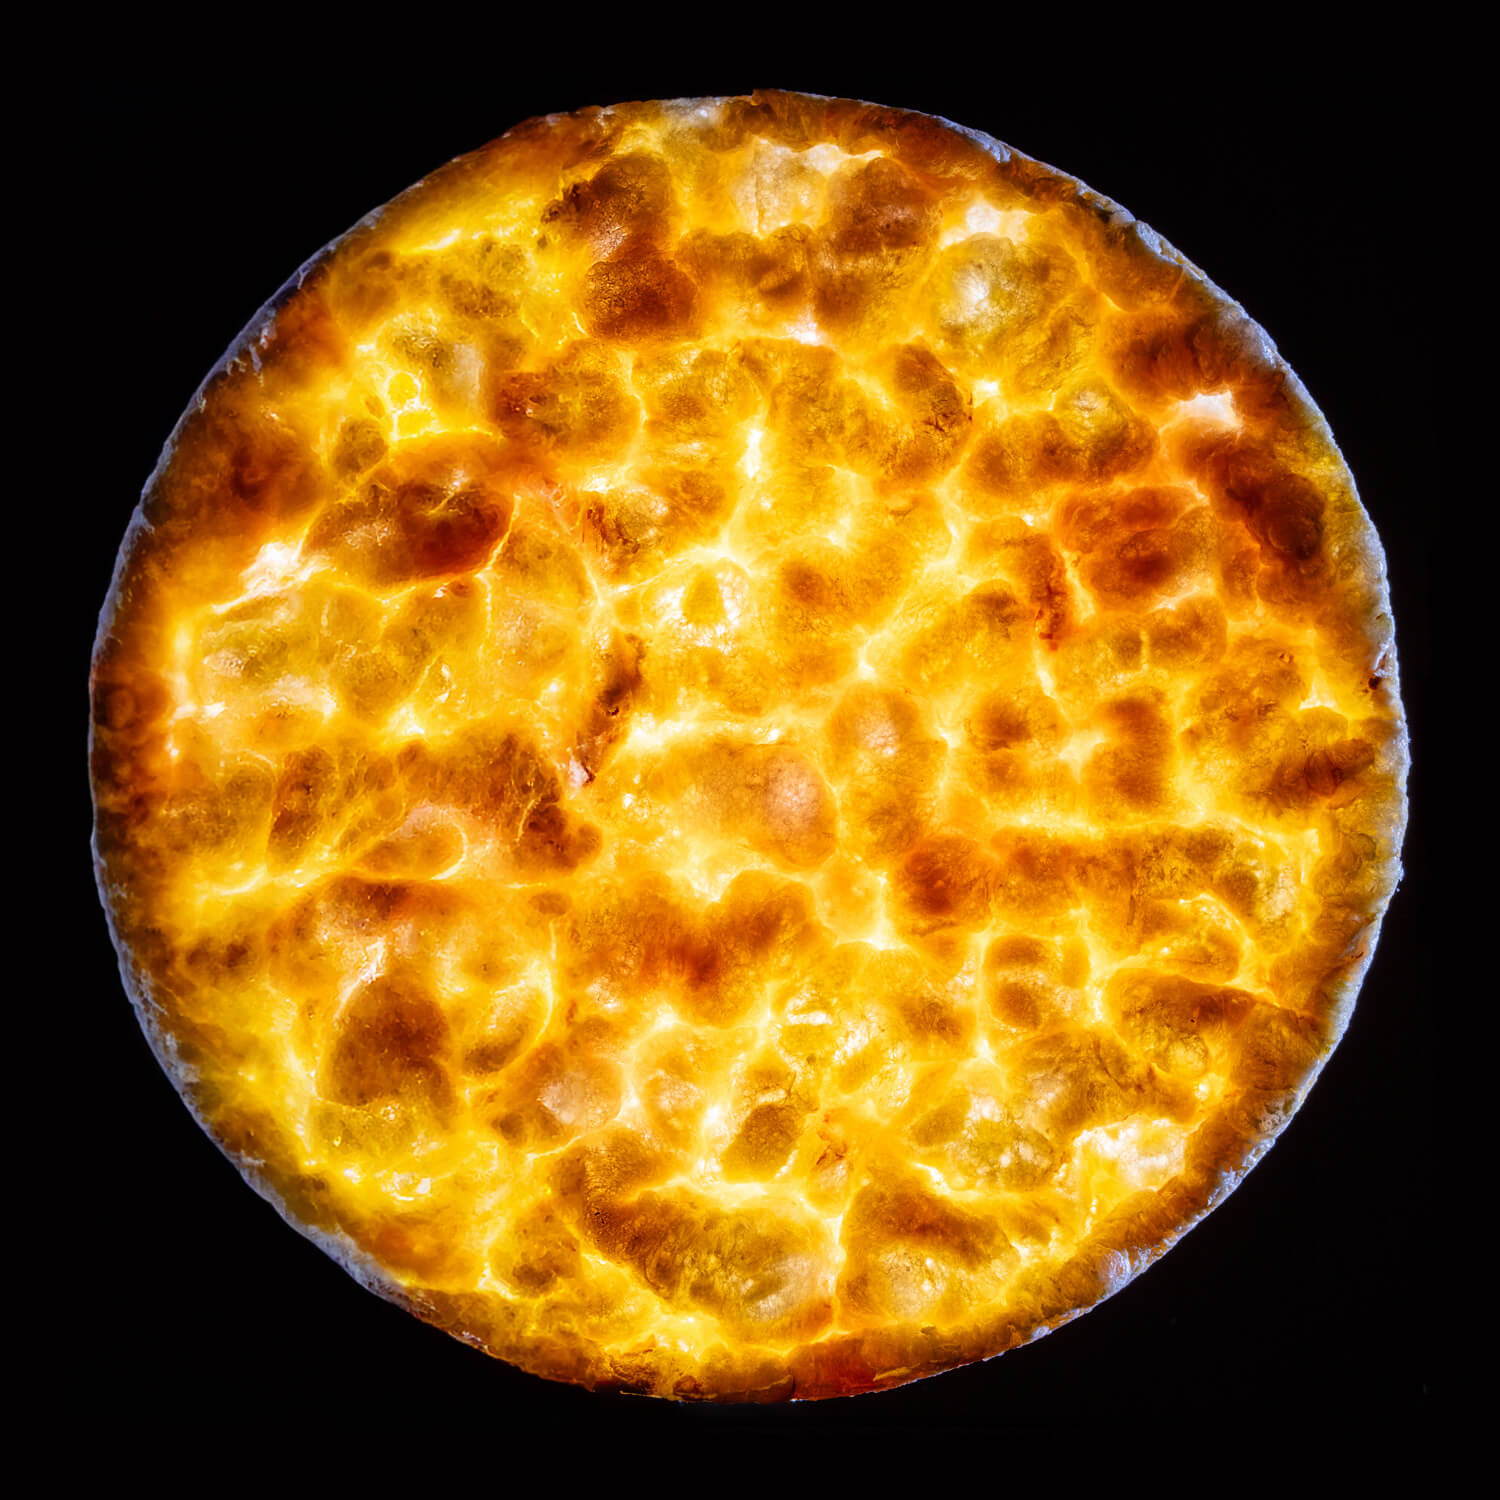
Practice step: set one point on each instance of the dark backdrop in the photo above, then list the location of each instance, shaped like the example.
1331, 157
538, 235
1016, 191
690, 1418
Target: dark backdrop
1314, 1296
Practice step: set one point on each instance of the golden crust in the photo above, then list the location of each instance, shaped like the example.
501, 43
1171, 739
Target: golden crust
747, 748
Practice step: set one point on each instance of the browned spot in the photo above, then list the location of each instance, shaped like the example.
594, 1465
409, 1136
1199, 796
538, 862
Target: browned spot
392, 1038
946, 880
1133, 770
1158, 356
303, 801
579, 406
639, 293
630, 196
771, 271
878, 205
607, 716
760, 1272
437, 506
1283, 510
500, 776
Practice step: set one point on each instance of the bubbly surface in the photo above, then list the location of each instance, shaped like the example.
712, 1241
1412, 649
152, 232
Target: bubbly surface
748, 748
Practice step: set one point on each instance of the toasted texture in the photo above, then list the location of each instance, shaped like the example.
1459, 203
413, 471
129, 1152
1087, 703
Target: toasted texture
747, 748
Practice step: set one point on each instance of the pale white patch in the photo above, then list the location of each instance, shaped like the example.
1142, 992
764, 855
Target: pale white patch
465, 371
1141, 1151
825, 157
1012, 224
972, 288
750, 463
1318, 696
1216, 407
405, 721
806, 330
275, 567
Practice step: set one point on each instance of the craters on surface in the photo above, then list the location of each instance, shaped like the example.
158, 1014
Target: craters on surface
622, 220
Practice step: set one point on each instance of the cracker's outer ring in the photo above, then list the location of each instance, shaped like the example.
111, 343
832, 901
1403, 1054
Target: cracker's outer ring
601, 1374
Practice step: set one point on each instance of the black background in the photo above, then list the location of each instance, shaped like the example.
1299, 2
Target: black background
1314, 1296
